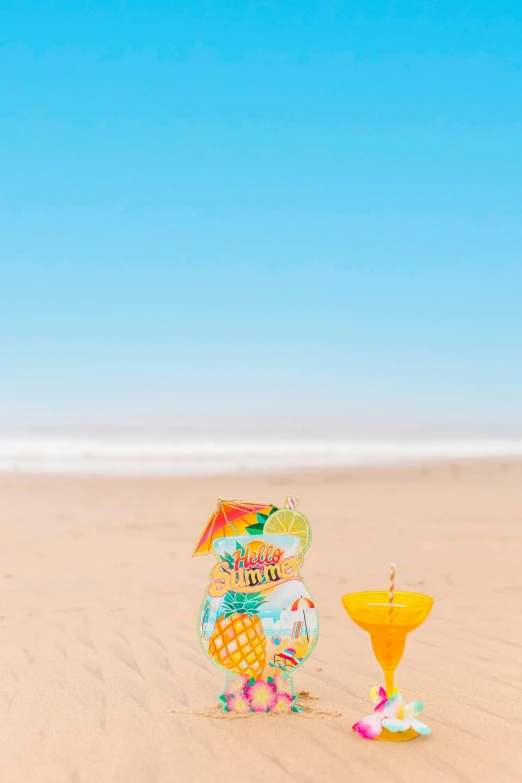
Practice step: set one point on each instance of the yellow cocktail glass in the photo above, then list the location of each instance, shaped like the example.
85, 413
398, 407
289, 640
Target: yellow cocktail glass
370, 611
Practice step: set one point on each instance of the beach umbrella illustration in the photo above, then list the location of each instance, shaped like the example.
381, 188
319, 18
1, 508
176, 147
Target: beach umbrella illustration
233, 518
304, 604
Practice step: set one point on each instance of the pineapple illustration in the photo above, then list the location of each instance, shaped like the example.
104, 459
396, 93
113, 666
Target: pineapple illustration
238, 640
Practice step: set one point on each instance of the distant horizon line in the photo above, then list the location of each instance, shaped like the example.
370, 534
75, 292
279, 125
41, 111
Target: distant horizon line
209, 455
316, 426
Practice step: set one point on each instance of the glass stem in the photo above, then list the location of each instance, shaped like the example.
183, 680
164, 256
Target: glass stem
388, 681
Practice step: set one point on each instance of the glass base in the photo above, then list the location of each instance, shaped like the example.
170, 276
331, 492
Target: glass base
397, 736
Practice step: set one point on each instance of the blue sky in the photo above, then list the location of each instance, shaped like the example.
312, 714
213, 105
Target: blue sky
248, 208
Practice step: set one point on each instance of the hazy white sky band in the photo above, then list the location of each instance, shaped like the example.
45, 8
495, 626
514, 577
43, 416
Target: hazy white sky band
112, 455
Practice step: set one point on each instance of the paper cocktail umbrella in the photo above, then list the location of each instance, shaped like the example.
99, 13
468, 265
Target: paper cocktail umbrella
232, 518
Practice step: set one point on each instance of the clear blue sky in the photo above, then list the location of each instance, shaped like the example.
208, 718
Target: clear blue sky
255, 206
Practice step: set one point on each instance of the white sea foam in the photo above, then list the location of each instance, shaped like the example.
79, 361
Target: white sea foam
111, 454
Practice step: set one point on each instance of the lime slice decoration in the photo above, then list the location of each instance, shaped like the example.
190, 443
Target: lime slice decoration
290, 523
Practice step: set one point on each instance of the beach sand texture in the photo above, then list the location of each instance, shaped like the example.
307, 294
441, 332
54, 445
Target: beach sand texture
102, 678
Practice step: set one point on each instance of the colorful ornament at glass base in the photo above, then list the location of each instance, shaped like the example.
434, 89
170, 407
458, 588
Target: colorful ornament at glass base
391, 715
258, 621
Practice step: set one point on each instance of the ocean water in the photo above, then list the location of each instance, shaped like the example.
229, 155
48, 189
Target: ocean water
135, 454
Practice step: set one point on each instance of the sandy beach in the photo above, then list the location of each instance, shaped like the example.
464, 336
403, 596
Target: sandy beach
101, 674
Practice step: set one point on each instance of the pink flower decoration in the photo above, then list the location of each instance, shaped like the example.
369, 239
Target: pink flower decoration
283, 703
391, 714
238, 704
283, 685
371, 726
262, 696
378, 695
236, 685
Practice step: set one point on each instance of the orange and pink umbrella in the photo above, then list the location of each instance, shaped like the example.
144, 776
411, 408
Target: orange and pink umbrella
233, 518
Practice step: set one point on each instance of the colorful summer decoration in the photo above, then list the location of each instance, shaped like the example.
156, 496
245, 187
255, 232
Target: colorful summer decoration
258, 621
389, 617
392, 715
232, 518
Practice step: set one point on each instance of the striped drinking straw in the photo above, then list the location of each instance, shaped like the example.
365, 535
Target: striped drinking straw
391, 596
